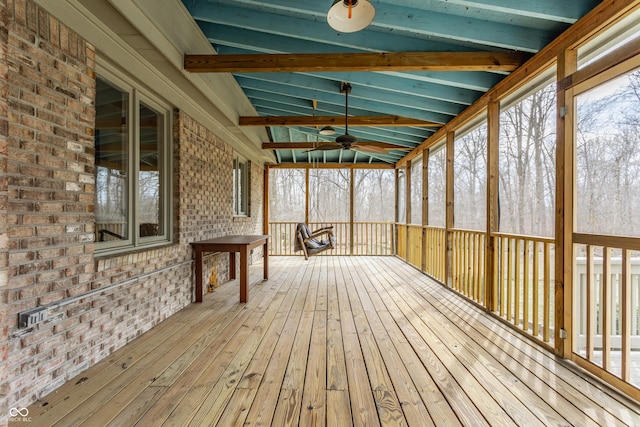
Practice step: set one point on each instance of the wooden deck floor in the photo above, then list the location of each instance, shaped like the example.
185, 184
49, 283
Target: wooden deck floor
333, 341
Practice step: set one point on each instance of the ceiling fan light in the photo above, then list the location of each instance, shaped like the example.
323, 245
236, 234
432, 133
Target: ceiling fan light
341, 19
327, 130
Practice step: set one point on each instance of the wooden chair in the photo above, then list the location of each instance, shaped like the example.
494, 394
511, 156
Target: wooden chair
309, 242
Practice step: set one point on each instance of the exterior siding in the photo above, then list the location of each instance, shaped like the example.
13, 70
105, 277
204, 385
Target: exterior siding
47, 252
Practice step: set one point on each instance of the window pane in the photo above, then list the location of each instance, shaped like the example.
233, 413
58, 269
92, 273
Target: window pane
374, 193
236, 180
416, 192
240, 187
402, 195
286, 195
328, 195
527, 165
243, 185
112, 163
608, 158
437, 187
149, 178
470, 173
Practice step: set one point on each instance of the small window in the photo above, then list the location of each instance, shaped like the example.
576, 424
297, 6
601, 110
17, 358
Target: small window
240, 187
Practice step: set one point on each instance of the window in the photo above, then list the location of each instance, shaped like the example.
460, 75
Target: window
416, 192
132, 164
527, 163
240, 187
470, 177
437, 186
608, 157
402, 195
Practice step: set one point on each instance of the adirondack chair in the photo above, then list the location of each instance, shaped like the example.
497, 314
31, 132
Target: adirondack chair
309, 242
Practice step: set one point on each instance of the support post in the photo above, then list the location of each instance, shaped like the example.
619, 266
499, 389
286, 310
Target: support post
565, 205
449, 207
493, 219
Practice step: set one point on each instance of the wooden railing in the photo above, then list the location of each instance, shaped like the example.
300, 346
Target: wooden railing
607, 303
402, 241
521, 286
369, 238
523, 279
436, 252
414, 245
373, 238
468, 263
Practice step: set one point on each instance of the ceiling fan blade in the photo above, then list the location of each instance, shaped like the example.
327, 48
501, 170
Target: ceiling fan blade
327, 147
369, 148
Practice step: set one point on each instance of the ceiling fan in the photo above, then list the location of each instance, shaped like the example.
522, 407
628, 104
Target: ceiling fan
350, 142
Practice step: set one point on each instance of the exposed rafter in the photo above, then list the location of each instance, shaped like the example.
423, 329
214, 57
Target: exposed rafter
312, 145
333, 121
283, 54
389, 61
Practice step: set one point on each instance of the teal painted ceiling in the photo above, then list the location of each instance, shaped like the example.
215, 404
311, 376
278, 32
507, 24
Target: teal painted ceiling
285, 26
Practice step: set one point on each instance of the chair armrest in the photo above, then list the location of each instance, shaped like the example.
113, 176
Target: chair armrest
323, 229
320, 232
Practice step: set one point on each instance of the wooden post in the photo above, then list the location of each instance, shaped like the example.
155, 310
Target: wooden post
425, 206
493, 220
407, 203
397, 215
306, 195
449, 207
565, 205
265, 200
352, 176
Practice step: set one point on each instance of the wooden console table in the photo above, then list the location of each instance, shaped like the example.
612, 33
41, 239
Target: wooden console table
232, 244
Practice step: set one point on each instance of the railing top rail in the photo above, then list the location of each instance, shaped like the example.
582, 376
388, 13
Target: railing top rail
620, 242
331, 222
530, 238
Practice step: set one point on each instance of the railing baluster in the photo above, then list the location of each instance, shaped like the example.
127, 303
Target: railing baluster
516, 287
525, 286
547, 296
605, 308
536, 290
625, 369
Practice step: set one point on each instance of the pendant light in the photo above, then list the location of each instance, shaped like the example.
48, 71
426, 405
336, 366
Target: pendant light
349, 16
327, 130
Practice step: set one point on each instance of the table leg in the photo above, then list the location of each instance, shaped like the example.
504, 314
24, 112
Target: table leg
265, 251
244, 274
198, 274
232, 265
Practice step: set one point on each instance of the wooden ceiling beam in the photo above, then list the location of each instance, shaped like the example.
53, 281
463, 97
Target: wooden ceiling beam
333, 121
365, 61
332, 166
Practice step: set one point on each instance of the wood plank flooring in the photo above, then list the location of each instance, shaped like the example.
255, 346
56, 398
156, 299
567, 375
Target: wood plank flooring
333, 341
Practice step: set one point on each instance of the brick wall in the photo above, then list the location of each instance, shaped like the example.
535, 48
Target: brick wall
96, 304
4, 240
49, 173
203, 179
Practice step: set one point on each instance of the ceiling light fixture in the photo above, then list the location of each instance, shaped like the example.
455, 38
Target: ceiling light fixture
349, 16
327, 130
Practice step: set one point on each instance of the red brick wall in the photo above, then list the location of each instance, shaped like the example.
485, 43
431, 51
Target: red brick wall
47, 221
